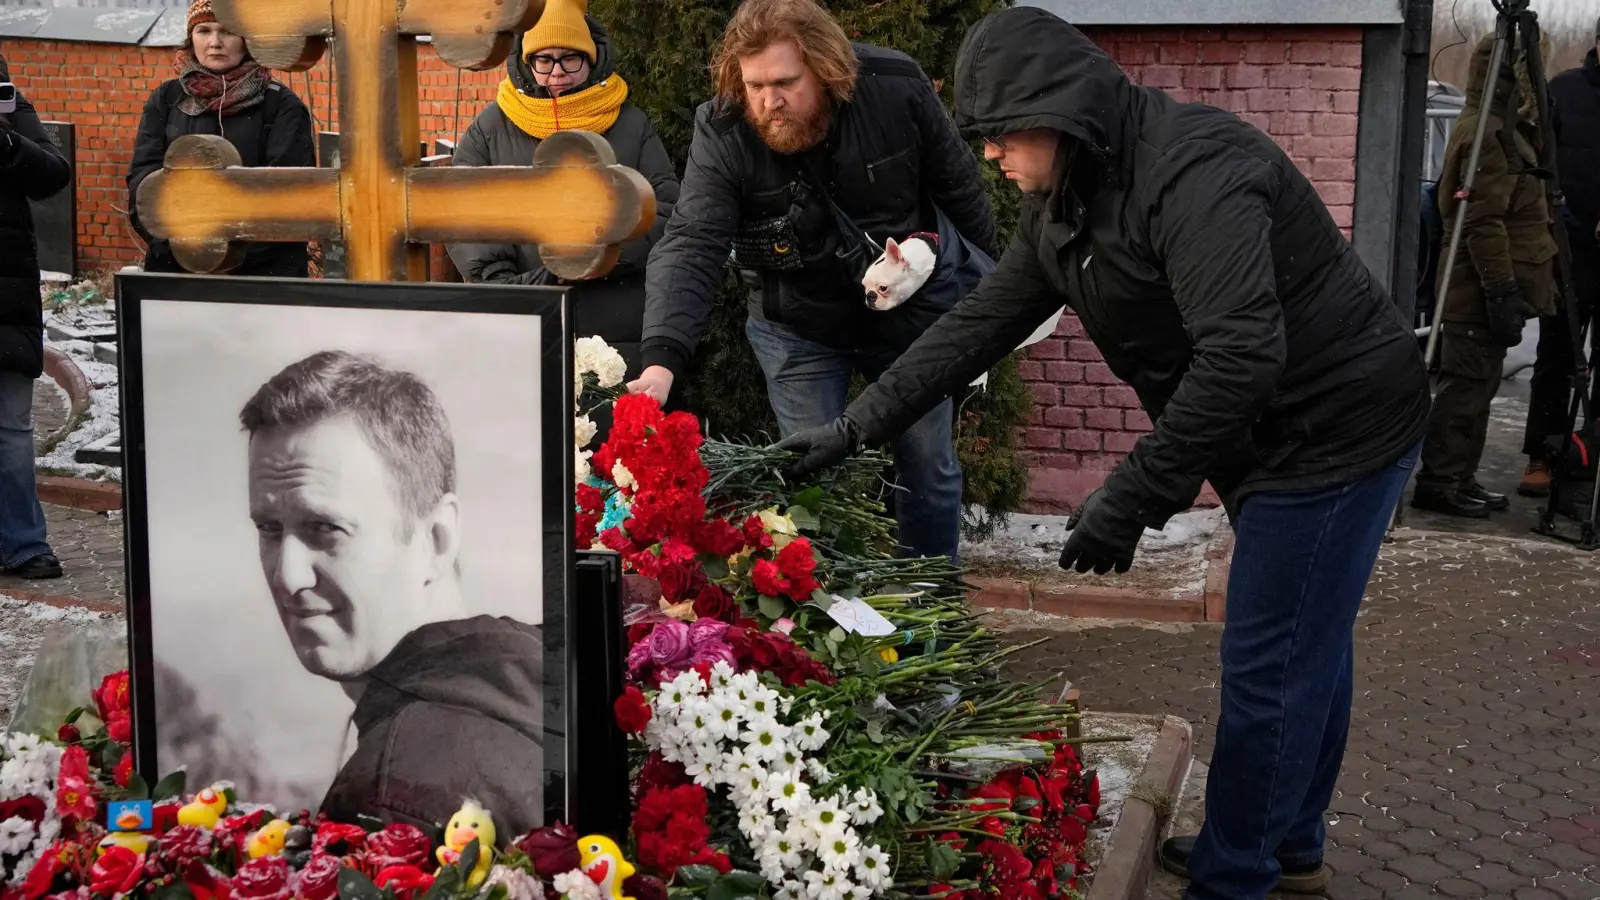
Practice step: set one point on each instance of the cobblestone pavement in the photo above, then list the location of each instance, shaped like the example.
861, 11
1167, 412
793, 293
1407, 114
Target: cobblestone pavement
1474, 760
90, 547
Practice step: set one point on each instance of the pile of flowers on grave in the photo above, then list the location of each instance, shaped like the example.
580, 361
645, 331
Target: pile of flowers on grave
811, 717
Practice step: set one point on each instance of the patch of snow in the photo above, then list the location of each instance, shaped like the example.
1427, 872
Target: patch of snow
1033, 544
24, 626
49, 277
104, 416
1119, 766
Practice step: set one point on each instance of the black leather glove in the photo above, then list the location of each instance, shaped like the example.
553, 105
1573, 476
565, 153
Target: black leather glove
823, 446
1102, 537
1508, 313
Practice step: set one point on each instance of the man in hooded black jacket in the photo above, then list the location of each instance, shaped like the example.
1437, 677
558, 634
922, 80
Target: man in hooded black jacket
1215, 282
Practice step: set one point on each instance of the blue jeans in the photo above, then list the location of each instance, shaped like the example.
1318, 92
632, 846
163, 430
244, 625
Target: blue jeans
22, 528
807, 384
1301, 564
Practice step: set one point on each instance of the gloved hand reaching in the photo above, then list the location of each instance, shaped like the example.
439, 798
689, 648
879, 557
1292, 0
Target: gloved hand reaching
1508, 313
823, 446
1102, 538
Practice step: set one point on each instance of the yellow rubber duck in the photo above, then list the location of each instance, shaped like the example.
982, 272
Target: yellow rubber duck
268, 841
470, 823
205, 810
601, 859
138, 843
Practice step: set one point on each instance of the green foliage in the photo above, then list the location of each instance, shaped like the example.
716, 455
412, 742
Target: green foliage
664, 50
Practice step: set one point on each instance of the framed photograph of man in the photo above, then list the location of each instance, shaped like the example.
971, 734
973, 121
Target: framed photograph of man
349, 539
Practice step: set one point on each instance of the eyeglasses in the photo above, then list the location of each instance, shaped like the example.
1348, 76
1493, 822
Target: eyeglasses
570, 63
999, 143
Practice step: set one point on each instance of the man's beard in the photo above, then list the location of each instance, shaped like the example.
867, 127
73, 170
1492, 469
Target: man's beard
793, 136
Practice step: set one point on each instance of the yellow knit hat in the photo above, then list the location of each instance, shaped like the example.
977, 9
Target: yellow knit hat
561, 25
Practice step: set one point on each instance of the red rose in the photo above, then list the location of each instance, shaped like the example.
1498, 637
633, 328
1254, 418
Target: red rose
124, 770
319, 880
29, 807
406, 881
68, 733
234, 831
119, 726
644, 887
116, 872
633, 710
339, 840
183, 845
266, 878
207, 883
165, 815
398, 844
41, 879
552, 849
714, 602
113, 694
994, 791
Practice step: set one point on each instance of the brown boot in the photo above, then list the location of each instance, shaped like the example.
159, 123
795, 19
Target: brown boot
1535, 480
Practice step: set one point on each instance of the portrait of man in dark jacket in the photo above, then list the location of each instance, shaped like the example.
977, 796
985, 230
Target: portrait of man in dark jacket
1215, 282
811, 143
353, 495
31, 168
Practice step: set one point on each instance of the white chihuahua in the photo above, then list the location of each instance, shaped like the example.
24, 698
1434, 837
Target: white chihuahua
901, 271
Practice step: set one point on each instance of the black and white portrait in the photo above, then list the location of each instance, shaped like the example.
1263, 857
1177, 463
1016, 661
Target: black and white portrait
346, 536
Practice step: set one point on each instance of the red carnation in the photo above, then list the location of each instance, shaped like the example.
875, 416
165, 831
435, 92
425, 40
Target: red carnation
755, 536
116, 871
124, 771
266, 878
633, 710
718, 537
768, 578
798, 561
319, 880
658, 773
398, 844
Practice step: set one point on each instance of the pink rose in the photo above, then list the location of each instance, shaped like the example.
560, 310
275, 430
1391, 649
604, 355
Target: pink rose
638, 658
713, 654
705, 631
669, 644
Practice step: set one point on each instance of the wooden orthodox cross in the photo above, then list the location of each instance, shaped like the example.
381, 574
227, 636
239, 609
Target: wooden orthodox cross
576, 203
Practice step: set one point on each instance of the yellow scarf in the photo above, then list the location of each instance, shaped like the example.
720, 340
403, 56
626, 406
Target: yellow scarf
594, 108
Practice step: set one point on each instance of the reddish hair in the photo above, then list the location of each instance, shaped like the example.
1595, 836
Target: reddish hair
758, 24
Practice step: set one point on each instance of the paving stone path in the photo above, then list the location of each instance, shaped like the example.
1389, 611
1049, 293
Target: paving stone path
90, 547
1474, 760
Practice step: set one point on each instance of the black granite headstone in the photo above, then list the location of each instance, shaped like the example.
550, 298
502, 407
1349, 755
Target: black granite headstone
55, 219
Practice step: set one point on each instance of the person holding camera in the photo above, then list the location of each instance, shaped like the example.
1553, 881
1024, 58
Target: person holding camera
1505, 276
221, 90
31, 168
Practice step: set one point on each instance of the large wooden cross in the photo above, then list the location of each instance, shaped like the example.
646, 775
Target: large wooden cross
575, 203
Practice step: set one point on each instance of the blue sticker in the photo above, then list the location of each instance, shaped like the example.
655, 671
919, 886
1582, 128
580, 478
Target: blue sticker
130, 815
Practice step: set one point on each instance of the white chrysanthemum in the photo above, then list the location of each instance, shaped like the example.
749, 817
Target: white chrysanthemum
864, 807
785, 848
788, 793
577, 886
872, 869
727, 715
723, 678
583, 431
756, 821
824, 885
707, 772
766, 740
825, 820
791, 890
818, 772
679, 691
809, 735
621, 477
16, 834
762, 702
789, 761
840, 851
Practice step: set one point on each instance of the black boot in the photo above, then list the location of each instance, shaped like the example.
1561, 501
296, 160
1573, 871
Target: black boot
1175, 853
1451, 503
45, 565
1495, 502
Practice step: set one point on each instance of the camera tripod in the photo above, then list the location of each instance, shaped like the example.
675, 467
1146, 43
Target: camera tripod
1513, 19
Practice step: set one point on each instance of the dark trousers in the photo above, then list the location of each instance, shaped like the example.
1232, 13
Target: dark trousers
1300, 568
1550, 392
1470, 370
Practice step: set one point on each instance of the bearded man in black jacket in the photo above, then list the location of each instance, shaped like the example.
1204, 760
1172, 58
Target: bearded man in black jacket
1215, 282
810, 143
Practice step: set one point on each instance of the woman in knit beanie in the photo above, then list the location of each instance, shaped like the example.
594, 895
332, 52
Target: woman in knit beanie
565, 79
221, 90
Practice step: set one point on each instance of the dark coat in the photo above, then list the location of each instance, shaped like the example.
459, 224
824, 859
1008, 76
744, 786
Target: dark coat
612, 307
892, 152
1575, 95
1203, 266
454, 711
273, 133
31, 168
1505, 237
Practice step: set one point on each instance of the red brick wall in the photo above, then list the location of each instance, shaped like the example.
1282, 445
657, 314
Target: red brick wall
1301, 86
102, 88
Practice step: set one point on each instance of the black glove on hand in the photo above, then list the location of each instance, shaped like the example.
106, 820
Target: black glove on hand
823, 446
1508, 313
1102, 537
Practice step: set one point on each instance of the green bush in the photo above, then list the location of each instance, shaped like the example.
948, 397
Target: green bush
664, 48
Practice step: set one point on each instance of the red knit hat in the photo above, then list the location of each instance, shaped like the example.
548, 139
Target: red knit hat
200, 11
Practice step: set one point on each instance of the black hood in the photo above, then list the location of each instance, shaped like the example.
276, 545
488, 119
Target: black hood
604, 67
492, 666
1024, 68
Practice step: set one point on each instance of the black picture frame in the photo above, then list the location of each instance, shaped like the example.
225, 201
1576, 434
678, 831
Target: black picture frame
563, 667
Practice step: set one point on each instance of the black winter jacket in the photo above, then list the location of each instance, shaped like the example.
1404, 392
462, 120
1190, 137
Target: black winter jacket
612, 307
1575, 94
1201, 263
892, 151
274, 133
31, 168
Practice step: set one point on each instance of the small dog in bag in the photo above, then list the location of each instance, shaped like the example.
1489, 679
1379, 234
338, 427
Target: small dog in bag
901, 271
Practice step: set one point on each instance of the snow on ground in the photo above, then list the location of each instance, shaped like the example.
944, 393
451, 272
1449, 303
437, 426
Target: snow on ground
24, 626
1119, 766
1168, 561
80, 306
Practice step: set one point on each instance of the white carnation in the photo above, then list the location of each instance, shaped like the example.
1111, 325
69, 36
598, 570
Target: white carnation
577, 886
583, 431
595, 355
519, 885
621, 477
580, 466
